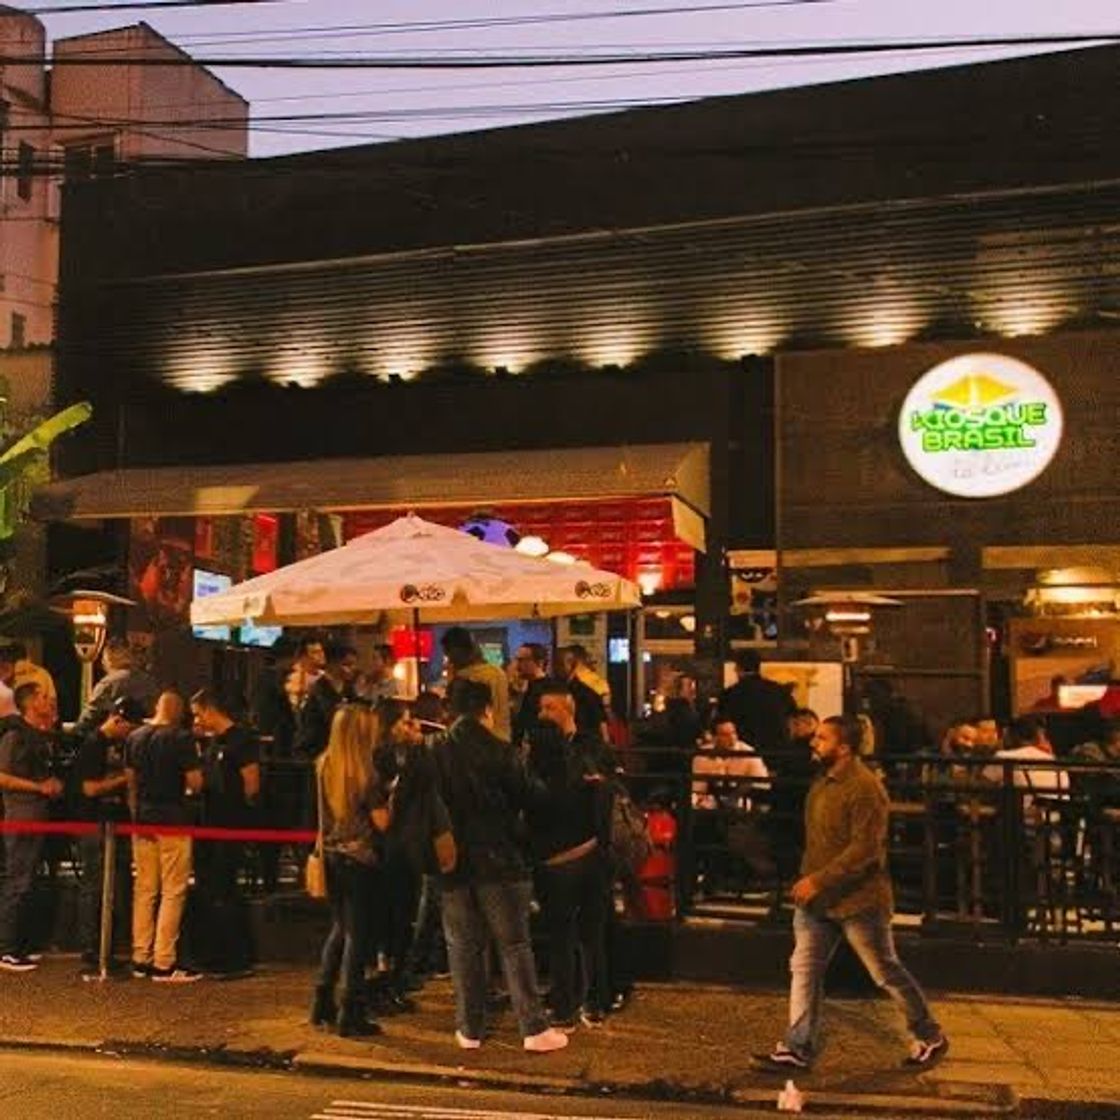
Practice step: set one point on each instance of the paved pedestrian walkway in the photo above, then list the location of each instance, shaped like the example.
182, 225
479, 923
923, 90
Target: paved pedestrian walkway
674, 1039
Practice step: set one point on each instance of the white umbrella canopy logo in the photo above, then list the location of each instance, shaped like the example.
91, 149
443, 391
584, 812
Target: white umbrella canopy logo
415, 570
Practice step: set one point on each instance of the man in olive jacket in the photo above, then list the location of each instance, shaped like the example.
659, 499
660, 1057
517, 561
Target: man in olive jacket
845, 892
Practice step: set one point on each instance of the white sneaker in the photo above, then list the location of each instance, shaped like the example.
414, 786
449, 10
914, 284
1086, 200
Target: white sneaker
465, 1042
14, 962
547, 1041
175, 975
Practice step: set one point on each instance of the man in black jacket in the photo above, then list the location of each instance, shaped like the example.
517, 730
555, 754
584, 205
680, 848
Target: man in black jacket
570, 825
487, 894
759, 708
334, 686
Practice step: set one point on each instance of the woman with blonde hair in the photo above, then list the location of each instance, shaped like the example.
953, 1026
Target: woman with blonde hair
353, 813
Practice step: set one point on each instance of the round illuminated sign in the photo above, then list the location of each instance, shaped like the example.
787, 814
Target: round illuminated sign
980, 425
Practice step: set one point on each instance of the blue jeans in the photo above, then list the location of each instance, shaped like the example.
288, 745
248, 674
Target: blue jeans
869, 935
471, 915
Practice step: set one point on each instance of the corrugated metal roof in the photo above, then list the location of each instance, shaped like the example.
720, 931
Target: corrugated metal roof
398, 481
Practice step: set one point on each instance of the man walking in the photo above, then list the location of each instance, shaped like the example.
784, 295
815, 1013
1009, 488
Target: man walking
162, 765
28, 788
845, 892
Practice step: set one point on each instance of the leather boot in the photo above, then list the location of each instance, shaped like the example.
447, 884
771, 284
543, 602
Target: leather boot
323, 1009
353, 1022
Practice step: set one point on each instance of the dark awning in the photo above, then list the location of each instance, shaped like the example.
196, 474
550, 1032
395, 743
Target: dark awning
675, 470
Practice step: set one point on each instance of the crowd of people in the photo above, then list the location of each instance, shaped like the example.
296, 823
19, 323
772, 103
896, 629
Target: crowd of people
441, 823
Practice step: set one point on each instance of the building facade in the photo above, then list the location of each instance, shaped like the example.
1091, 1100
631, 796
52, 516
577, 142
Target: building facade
758, 277
72, 122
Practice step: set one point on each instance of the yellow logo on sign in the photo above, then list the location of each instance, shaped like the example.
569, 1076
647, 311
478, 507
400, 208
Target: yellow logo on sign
974, 390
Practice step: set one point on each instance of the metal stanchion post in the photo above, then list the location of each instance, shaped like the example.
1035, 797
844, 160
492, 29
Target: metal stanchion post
108, 893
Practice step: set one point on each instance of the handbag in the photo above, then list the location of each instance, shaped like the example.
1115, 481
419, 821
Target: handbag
630, 843
315, 870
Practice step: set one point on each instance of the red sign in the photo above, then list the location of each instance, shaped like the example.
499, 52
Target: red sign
266, 536
630, 537
403, 641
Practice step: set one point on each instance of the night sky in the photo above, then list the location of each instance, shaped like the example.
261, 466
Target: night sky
384, 105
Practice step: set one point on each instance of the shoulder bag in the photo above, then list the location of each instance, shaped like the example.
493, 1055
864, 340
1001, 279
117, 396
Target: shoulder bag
315, 872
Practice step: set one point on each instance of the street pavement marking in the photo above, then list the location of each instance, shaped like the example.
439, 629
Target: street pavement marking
377, 1110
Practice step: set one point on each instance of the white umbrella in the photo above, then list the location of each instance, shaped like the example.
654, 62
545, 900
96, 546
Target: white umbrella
417, 571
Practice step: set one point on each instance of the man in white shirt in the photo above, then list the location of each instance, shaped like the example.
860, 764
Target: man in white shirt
727, 756
1030, 743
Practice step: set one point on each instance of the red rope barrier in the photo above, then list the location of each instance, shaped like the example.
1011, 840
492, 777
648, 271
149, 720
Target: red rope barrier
195, 832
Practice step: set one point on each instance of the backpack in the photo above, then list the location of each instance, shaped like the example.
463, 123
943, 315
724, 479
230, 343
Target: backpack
630, 844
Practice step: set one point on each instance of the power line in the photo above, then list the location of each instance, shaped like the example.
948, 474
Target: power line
420, 27
537, 61
143, 5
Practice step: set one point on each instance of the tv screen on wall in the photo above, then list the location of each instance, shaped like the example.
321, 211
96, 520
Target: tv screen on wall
211, 583
253, 635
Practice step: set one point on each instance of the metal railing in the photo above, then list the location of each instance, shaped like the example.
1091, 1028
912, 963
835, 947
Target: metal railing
986, 848
982, 848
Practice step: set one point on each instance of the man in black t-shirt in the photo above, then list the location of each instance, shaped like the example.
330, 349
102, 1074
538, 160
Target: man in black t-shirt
232, 768
102, 788
28, 789
162, 767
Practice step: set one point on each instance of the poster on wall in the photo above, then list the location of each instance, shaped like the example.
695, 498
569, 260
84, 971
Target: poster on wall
160, 564
753, 577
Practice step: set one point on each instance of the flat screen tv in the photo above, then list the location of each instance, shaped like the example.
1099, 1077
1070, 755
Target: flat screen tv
252, 635
211, 583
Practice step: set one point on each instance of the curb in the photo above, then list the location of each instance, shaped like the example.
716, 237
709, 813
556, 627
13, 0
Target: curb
947, 1099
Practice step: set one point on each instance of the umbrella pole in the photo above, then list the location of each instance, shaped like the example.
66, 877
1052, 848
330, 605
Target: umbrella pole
634, 665
555, 639
416, 646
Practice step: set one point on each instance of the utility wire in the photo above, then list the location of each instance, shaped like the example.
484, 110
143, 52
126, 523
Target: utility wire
538, 61
421, 27
145, 5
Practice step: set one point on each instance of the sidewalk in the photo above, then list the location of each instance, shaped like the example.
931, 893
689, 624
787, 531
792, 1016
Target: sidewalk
675, 1040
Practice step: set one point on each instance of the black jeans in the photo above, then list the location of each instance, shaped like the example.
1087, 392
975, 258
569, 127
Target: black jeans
223, 933
429, 950
576, 900
89, 895
350, 891
22, 853
402, 893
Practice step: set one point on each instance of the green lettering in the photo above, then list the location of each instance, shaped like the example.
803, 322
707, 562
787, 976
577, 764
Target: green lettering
973, 439
931, 442
1035, 413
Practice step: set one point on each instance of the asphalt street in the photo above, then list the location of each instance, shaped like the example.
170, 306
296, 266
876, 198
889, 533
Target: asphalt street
42, 1086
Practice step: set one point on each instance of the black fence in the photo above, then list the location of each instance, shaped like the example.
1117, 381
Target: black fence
987, 849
